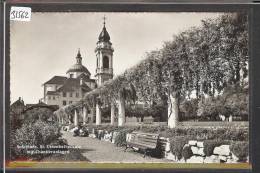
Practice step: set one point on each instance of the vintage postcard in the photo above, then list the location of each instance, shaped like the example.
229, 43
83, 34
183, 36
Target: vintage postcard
124, 87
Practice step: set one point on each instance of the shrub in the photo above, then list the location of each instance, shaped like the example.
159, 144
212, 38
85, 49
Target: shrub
34, 134
177, 143
189, 109
209, 146
186, 152
240, 149
120, 139
238, 134
234, 101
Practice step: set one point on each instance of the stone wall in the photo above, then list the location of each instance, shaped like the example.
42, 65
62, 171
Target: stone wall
221, 154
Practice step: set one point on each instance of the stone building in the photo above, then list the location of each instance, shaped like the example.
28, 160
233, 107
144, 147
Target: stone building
64, 90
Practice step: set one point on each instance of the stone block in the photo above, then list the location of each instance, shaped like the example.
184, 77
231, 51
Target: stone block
192, 143
222, 150
92, 135
170, 156
167, 147
234, 157
75, 128
212, 159
201, 152
136, 149
200, 144
223, 158
114, 136
195, 159
194, 150
230, 161
107, 137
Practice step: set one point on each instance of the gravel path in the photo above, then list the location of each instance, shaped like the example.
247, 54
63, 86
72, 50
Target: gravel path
102, 151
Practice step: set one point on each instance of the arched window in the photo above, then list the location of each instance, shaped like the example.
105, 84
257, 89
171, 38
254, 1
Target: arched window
105, 62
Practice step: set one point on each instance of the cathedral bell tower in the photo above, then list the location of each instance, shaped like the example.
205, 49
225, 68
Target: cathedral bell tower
104, 53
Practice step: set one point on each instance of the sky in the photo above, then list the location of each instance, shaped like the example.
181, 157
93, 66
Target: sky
47, 45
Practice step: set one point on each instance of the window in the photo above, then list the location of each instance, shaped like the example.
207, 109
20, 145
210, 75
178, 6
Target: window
53, 98
71, 94
105, 62
77, 94
71, 75
64, 94
70, 102
49, 97
64, 103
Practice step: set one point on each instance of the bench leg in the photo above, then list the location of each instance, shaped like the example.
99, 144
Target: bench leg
144, 153
125, 148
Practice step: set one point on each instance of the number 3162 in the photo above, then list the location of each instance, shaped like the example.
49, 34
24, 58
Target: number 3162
19, 14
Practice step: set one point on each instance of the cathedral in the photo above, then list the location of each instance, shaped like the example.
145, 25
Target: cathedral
64, 90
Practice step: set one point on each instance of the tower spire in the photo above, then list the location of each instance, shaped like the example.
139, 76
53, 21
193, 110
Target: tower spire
104, 22
79, 58
104, 36
79, 52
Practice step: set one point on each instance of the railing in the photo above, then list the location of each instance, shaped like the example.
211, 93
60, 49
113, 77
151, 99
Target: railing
104, 70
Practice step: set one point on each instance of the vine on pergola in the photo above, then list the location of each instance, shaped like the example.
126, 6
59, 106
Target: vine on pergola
203, 59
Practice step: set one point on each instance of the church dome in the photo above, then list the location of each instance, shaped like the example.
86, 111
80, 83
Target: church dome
78, 67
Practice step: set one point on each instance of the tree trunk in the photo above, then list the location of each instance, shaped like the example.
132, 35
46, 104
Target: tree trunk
112, 114
98, 114
85, 115
76, 118
92, 113
173, 110
121, 110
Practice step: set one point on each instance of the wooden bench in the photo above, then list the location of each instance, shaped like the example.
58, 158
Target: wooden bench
145, 141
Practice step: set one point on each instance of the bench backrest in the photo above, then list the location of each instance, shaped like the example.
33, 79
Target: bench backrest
148, 140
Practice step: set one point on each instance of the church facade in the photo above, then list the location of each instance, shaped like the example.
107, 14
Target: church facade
64, 90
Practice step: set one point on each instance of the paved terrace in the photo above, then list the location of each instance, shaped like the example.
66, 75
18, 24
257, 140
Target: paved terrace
101, 151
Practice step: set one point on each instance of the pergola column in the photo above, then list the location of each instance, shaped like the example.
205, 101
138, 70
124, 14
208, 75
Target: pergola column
92, 112
98, 114
59, 119
112, 114
121, 110
76, 118
62, 120
85, 114
173, 111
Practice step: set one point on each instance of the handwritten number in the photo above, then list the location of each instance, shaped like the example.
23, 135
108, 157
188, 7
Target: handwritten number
19, 14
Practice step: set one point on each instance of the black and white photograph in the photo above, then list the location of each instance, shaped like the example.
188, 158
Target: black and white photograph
130, 87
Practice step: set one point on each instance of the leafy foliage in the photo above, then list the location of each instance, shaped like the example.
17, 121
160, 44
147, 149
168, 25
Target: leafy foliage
34, 134
209, 145
240, 149
37, 114
176, 145
203, 59
120, 139
233, 102
186, 152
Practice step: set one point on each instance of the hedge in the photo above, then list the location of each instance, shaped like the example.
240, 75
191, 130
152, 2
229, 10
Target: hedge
34, 134
176, 145
240, 149
229, 133
209, 145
